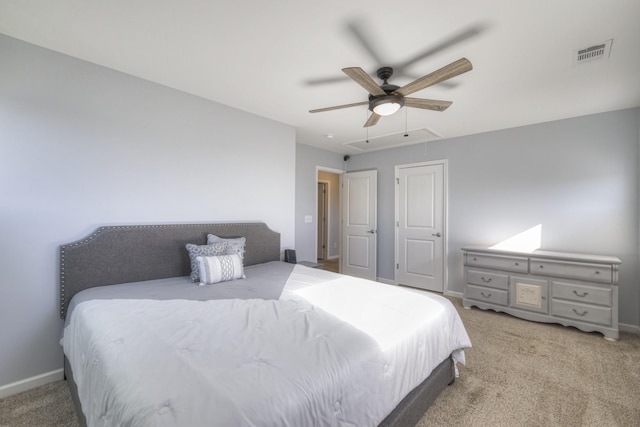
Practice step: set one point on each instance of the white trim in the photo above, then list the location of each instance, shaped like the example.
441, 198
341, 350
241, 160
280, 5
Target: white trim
454, 294
634, 329
386, 281
327, 209
339, 173
29, 383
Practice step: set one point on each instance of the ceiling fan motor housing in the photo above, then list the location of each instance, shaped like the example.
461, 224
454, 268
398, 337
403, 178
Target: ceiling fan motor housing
384, 73
390, 97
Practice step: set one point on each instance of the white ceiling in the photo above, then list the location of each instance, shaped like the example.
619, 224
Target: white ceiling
270, 57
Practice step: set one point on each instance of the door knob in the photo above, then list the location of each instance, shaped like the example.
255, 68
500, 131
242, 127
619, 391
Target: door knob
371, 231
437, 234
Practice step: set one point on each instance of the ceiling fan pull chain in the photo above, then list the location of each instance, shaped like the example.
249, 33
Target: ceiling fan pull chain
406, 120
366, 113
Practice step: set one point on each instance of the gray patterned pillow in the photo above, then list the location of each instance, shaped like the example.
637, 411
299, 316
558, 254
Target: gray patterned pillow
236, 245
219, 248
214, 269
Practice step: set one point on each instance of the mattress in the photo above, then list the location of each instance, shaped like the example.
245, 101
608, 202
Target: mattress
320, 349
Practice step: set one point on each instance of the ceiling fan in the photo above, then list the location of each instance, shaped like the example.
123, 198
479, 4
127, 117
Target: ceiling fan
386, 99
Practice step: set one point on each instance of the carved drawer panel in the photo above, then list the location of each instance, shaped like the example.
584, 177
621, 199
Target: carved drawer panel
483, 278
572, 270
498, 262
581, 293
489, 295
581, 312
529, 294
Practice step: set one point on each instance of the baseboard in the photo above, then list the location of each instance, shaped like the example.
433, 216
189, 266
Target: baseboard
386, 281
29, 383
629, 328
454, 294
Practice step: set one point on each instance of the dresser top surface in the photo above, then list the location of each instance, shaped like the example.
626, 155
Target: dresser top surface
565, 256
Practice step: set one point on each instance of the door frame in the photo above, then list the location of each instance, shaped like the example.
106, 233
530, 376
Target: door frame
445, 217
327, 225
338, 172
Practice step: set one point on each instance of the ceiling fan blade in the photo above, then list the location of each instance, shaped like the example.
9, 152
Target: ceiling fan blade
325, 80
337, 107
358, 30
372, 120
363, 79
427, 104
456, 68
460, 37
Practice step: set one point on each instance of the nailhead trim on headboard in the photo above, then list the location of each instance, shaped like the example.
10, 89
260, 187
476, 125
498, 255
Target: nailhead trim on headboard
89, 262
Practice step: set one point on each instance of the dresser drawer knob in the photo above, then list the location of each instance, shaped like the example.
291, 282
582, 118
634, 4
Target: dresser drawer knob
597, 272
582, 295
584, 313
541, 266
485, 295
485, 280
517, 263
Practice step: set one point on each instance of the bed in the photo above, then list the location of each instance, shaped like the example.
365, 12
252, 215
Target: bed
283, 344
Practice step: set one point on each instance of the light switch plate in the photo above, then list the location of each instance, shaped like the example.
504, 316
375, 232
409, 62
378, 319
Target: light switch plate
308, 219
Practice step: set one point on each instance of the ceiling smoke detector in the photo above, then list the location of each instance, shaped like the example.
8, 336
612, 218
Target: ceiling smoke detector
592, 53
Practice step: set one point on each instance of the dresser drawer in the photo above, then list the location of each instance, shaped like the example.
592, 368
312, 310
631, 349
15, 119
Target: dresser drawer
572, 270
498, 262
581, 293
493, 296
581, 312
483, 278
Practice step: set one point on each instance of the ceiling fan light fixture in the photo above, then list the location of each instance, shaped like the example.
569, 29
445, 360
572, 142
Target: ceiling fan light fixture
386, 105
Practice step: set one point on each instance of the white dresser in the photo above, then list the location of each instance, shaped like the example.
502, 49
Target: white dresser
554, 287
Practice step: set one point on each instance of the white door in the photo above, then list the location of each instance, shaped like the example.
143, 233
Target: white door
359, 224
420, 226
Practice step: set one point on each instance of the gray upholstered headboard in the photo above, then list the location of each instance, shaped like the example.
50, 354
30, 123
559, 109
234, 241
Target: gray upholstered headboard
132, 253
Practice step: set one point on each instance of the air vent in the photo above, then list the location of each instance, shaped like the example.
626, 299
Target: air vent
414, 136
592, 53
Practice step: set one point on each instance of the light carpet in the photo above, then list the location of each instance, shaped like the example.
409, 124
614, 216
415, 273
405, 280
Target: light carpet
522, 373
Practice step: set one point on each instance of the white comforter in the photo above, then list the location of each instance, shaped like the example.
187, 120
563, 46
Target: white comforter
341, 352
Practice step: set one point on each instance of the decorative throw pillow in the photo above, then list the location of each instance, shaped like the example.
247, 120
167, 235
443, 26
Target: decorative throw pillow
195, 251
214, 269
236, 245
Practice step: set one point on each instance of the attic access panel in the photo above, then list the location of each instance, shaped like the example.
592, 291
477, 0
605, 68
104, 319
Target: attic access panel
414, 136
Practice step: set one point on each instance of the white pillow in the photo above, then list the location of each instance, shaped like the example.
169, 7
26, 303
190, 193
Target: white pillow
222, 268
195, 251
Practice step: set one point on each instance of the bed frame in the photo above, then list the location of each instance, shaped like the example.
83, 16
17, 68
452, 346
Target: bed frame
121, 254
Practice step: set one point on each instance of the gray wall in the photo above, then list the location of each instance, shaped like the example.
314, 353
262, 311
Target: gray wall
308, 159
83, 146
576, 177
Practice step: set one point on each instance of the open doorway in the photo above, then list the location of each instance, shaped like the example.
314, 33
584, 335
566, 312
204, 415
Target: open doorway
328, 215
323, 220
